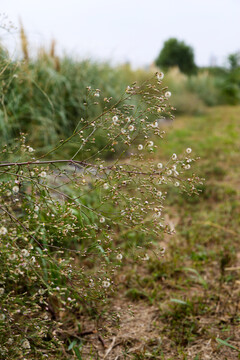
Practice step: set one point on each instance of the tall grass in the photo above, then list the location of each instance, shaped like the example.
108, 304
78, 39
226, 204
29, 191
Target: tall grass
47, 96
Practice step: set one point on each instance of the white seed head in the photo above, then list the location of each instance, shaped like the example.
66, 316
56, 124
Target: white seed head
188, 150
15, 189
160, 75
119, 256
106, 284
26, 344
25, 252
140, 147
168, 94
43, 174
2, 290
3, 230
115, 119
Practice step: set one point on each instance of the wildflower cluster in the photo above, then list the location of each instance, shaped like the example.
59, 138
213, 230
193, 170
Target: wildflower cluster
63, 219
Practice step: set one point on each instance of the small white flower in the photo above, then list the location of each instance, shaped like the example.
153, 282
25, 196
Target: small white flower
33, 260
15, 189
106, 284
123, 131
155, 124
146, 257
30, 149
140, 147
159, 165
150, 143
26, 344
119, 256
32, 173
177, 183
128, 119
158, 214
8, 193
162, 251
36, 208
25, 252
187, 167
159, 193
2, 317
188, 150
12, 256
159, 109
96, 94
169, 172
115, 119
168, 94
3, 230
102, 219
43, 174
174, 156
2, 290
160, 76
131, 127
106, 186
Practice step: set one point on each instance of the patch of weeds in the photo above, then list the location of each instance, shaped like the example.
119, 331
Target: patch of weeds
214, 171
182, 320
164, 269
135, 295
199, 255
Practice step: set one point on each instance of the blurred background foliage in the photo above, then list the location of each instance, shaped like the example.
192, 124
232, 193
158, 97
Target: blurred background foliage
45, 96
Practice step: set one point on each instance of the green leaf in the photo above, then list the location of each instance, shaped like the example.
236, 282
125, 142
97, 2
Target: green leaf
77, 352
199, 277
73, 343
181, 302
223, 342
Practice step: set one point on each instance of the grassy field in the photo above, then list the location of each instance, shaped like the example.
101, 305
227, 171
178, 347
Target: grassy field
184, 305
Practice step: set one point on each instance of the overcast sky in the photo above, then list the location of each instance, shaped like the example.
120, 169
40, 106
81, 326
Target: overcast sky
128, 30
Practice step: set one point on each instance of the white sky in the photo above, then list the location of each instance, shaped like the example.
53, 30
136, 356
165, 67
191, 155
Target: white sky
128, 30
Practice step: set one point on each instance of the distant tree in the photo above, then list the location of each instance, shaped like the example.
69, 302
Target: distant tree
234, 61
177, 53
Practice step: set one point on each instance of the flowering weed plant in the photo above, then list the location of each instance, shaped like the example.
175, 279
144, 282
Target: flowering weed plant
63, 219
